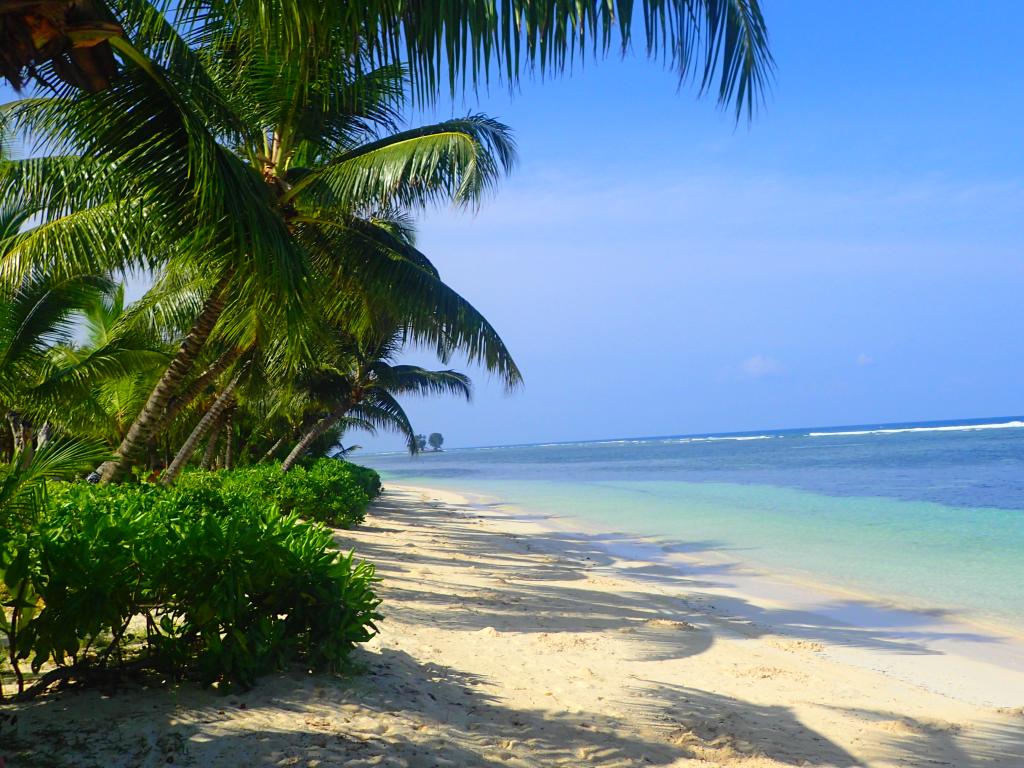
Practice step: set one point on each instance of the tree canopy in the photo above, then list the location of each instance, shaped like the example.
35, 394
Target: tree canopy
722, 45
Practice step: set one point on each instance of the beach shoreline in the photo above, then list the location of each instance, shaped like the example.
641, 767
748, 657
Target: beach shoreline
990, 655
639, 546
509, 643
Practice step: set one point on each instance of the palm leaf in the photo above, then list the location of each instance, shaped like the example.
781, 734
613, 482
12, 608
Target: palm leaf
457, 160
720, 43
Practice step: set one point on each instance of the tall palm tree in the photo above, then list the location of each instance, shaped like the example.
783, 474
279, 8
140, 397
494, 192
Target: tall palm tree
310, 180
239, 148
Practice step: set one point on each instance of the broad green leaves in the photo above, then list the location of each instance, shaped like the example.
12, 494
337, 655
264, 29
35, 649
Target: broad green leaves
209, 580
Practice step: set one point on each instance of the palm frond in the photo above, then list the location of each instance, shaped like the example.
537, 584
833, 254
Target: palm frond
393, 280
23, 487
383, 411
412, 379
457, 160
721, 43
39, 313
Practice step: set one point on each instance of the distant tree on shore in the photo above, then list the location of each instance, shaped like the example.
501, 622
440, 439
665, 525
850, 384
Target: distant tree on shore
421, 442
436, 440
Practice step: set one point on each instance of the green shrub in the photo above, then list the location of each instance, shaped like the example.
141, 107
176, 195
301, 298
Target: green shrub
228, 585
329, 491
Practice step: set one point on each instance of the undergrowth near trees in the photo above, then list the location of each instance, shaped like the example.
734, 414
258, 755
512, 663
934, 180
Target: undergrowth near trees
217, 579
326, 490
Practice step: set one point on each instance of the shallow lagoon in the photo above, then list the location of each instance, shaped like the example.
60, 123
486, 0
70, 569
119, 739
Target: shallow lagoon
930, 515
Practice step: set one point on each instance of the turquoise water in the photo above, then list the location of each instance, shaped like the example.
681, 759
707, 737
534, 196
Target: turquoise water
928, 514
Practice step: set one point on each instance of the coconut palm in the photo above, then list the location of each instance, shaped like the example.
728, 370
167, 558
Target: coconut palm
109, 328
255, 159
366, 382
212, 418
34, 318
316, 170
445, 42
45, 377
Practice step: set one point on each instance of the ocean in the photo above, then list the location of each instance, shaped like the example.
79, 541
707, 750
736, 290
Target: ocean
928, 515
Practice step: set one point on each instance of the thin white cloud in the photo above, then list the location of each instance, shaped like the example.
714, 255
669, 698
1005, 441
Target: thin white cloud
760, 366
864, 359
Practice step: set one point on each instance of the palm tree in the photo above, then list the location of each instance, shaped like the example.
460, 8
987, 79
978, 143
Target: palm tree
305, 167
250, 154
723, 42
111, 330
220, 407
33, 319
45, 379
369, 385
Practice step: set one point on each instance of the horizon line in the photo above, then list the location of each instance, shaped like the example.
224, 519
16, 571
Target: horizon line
966, 421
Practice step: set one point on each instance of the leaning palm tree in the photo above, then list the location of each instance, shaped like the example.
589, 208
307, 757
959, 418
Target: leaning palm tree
368, 386
239, 149
221, 406
310, 184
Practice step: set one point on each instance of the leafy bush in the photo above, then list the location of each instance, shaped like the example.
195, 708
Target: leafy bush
216, 581
329, 491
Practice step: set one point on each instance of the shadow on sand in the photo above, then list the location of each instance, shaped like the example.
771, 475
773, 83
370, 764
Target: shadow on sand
546, 603
384, 717
405, 713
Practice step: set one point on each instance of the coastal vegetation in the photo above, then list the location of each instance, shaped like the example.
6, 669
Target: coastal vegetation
212, 580
252, 166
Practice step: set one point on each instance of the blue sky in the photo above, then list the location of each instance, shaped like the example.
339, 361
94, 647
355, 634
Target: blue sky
853, 255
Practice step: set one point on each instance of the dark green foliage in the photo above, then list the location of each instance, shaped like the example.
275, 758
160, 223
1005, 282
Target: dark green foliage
213, 582
329, 491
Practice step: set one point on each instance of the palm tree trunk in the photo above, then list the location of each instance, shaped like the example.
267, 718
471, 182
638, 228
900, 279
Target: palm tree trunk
146, 423
222, 402
24, 437
242, 449
211, 445
193, 390
7, 445
229, 443
273, 449
312, 434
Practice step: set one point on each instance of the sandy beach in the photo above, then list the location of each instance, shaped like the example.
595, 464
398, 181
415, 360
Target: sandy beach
521, 642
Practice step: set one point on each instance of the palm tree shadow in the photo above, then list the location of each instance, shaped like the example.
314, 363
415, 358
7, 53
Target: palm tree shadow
540, 571
399, 711
705, 722
997, 743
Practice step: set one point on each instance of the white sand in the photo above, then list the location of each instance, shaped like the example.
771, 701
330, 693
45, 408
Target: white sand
508, 643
